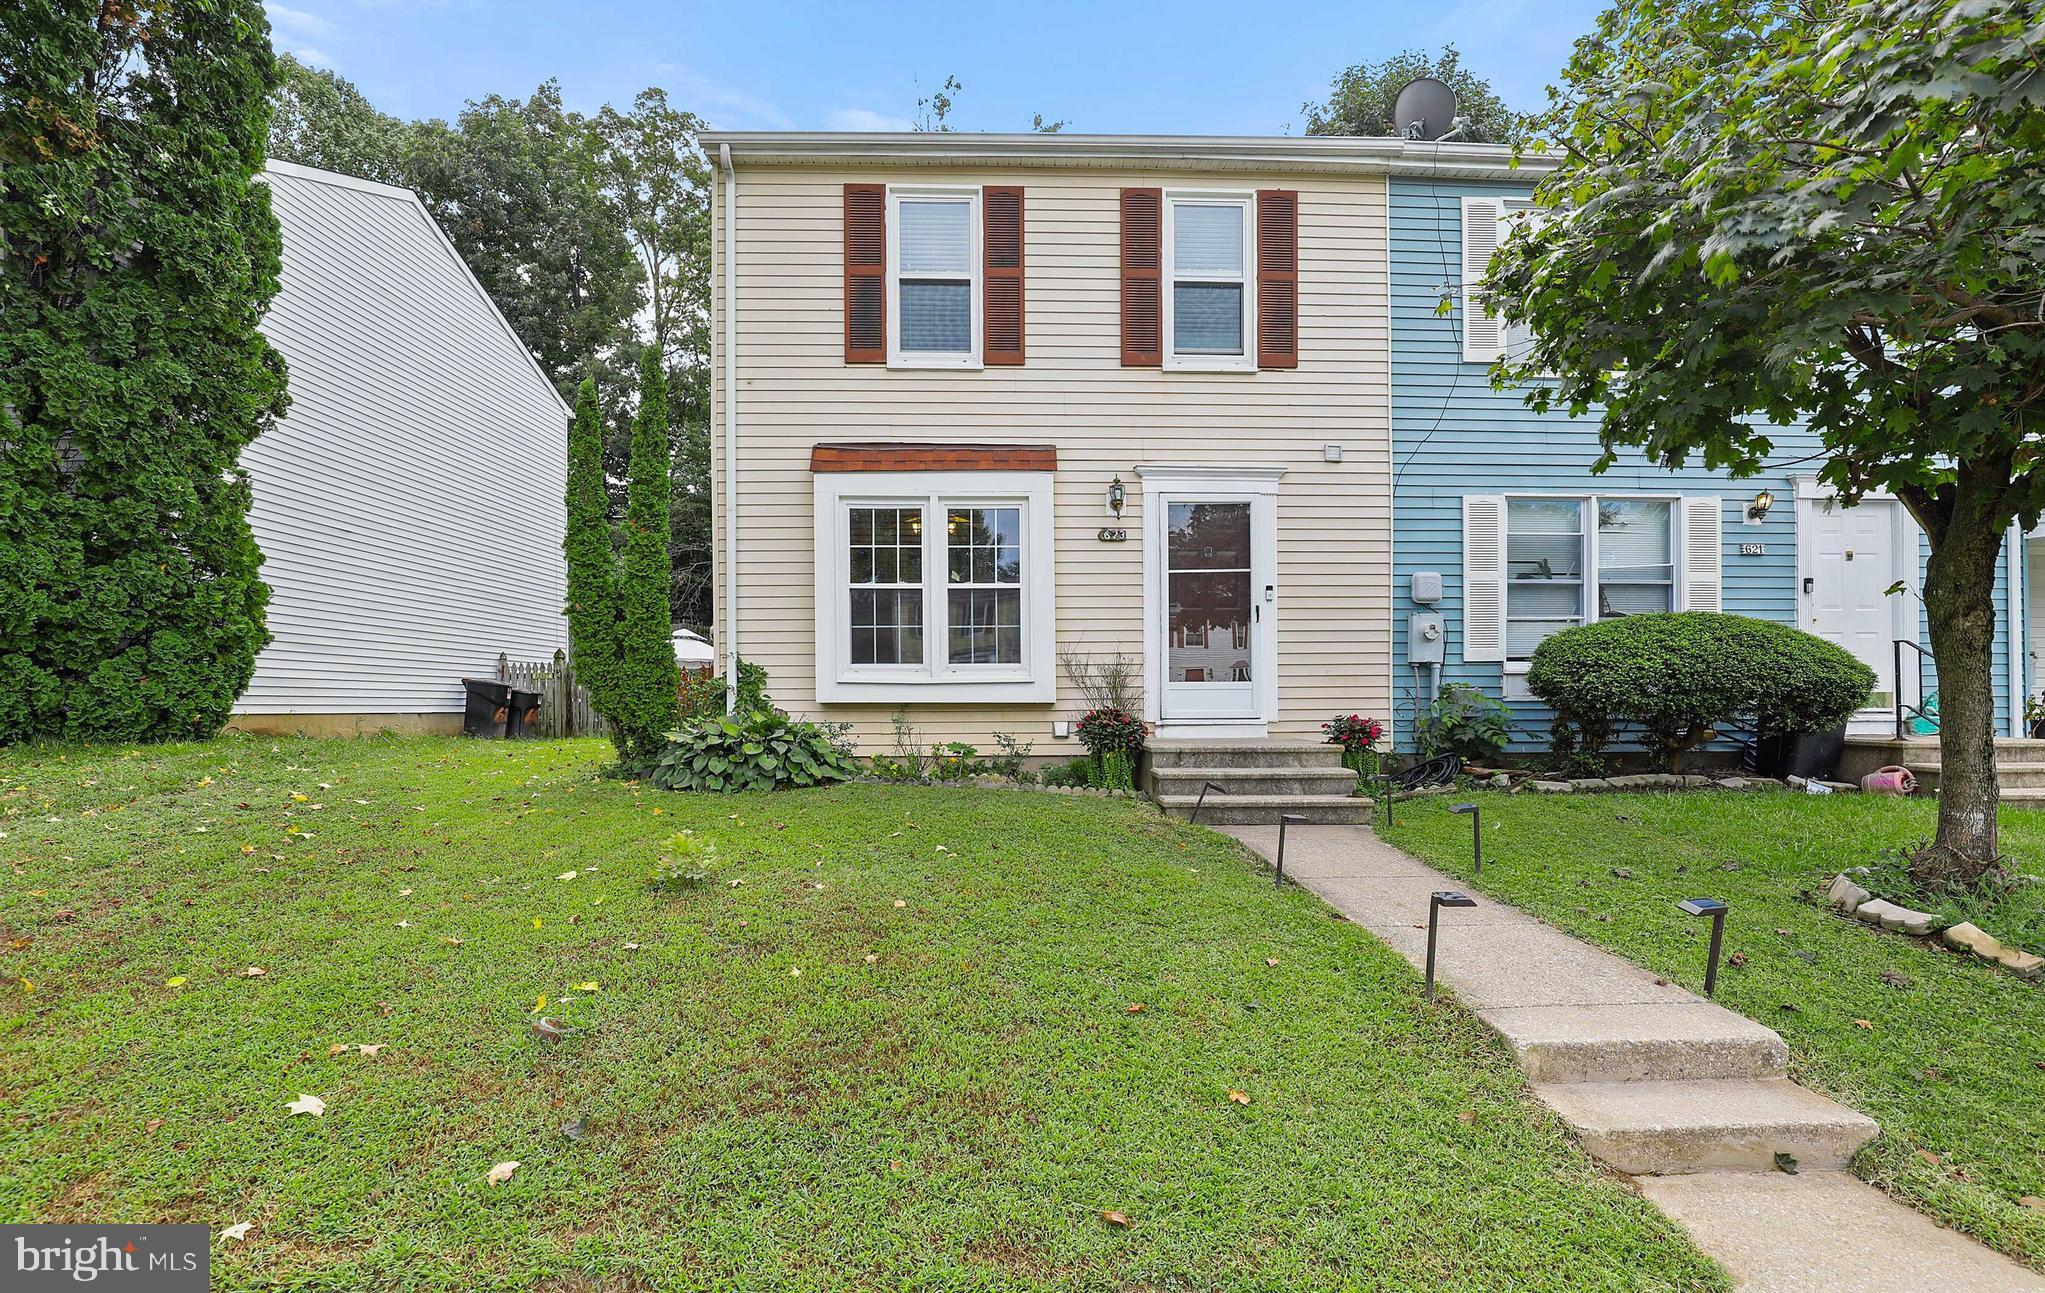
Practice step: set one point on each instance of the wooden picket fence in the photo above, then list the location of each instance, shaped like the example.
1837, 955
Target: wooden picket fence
564, 703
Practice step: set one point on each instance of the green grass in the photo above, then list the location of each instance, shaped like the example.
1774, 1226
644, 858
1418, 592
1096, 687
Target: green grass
1952, 1062
953, 1114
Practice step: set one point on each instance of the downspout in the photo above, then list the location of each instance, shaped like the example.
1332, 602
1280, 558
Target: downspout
730, 428
2016, 605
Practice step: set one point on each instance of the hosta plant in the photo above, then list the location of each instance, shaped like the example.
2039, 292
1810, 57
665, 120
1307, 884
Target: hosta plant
763, 750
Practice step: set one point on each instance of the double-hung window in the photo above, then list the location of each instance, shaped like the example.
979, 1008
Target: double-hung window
1570, 561
934, 277
1210, 293
934, 586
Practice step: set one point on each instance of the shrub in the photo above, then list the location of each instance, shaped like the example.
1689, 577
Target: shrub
763, 750
1358, 736
1678, 676
1465, 722
137, 254
1076, 772
703, 693
1111, 731
1009, 763
955, 761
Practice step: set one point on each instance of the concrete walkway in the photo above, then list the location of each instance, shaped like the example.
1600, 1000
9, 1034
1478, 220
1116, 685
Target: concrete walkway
1659, 1084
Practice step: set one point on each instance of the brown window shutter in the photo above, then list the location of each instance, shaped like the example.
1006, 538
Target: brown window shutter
866, 267
1001, 252
1142, 279
1277, 278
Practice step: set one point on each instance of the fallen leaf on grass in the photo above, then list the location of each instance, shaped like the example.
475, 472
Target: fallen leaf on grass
565, 875
236, 1232
152, 1124
311, 1104
591, 986
370, 1048
1134, 1008
1737, 959
631, 947
900, 903
338, 1048
1239, 1097
1931, 1158
404, 924
255, 972
1868, 1024
1467, 1116
177, 981
1114, 1218
1270, 960
794, 972
501, 1173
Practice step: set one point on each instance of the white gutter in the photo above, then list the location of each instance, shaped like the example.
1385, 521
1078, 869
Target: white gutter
1283, 153
2017, 608
730, 428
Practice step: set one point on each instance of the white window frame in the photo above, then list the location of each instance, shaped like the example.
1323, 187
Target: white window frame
936, 680
1200, 362
1591, 580
975, 269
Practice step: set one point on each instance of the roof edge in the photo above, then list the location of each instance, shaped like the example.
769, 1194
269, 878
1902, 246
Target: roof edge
1164, 152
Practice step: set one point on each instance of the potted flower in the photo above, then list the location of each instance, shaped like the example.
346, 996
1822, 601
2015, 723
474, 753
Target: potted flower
1358, 736
2034, 716
1114, 737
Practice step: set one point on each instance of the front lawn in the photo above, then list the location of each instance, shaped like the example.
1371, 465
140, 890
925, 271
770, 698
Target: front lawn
891, 1040
1946, 1053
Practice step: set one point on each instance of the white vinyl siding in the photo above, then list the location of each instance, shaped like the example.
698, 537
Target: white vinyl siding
794, 390
410, 504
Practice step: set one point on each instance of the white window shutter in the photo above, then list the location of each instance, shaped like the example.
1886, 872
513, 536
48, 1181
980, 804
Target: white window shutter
1483, 332
1702, 545
1483, 577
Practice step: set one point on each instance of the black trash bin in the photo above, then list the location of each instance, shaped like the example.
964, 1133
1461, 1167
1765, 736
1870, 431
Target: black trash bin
489, 708
522, 716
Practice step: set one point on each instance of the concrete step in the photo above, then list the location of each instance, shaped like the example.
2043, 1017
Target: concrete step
1265, 810
1652, 1128
1637, 1043
2026, 775
1244, 754
1251, 781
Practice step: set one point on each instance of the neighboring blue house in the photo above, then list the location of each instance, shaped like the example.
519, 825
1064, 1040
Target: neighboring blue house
1499, 504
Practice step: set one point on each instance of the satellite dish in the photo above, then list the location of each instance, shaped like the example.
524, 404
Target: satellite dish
1425, 109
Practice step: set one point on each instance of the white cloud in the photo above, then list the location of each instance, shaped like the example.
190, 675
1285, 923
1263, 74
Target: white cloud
865, 119
309, 55
721, 106
298, 21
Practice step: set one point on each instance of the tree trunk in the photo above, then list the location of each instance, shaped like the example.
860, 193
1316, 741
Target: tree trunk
1959, 599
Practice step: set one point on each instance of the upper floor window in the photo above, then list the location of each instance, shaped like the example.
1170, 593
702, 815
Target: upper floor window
1209, 296
933, 277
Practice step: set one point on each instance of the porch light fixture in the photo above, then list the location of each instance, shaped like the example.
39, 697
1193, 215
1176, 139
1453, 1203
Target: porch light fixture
1716, 909
1476, 835
1285, 820
1759, 507
1118, 497
1435, 902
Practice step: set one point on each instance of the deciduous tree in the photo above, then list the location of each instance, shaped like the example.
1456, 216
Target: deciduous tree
1360, 99
1830, 213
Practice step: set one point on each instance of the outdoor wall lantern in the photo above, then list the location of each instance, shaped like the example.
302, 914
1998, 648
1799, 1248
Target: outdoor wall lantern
1435, 902
1759, 507
1476, 835
1716, 909
1118, 497
1285, 820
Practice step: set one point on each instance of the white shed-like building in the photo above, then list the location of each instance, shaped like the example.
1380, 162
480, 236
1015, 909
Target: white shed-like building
410, 505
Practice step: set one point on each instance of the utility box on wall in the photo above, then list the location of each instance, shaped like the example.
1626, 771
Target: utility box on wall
1424, 634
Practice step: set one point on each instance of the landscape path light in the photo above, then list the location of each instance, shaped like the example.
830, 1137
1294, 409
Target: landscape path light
1476, 834
1201, 802
1435, 902
1716, 909
1285, 820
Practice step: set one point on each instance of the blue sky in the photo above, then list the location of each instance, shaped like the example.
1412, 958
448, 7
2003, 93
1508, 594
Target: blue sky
1118, 66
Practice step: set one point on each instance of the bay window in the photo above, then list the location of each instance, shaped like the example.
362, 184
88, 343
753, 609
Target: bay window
934, 586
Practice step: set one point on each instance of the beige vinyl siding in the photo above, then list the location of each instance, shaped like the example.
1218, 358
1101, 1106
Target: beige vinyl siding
1334, 538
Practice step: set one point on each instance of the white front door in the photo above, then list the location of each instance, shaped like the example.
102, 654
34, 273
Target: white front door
1213, 602
1855, 558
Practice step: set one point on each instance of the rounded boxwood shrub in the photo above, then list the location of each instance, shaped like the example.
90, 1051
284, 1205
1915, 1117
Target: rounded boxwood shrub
1679, 676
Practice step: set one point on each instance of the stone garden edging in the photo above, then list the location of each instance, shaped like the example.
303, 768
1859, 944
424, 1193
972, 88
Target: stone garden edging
1850, 899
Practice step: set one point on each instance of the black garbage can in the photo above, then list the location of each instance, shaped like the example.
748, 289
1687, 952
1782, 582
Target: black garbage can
489, 708
522, 716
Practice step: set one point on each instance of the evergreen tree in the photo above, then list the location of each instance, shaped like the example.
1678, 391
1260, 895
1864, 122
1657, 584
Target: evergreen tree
137, 253
592, 561
647, 681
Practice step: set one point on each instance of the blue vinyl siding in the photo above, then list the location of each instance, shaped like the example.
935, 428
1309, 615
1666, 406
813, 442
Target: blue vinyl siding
1452, 435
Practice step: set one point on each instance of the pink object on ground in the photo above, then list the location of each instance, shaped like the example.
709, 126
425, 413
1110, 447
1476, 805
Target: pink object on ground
1891, 780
